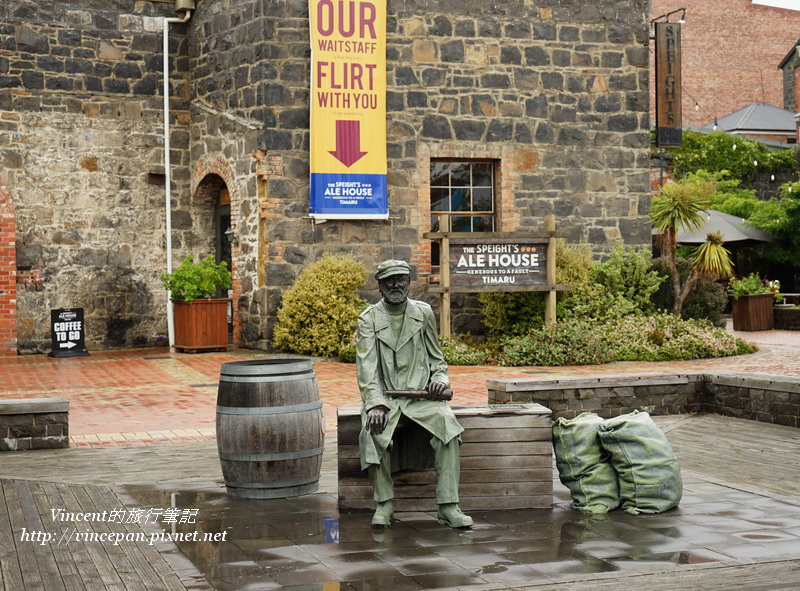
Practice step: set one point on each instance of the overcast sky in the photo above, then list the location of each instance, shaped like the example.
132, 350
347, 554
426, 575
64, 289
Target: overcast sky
788, 4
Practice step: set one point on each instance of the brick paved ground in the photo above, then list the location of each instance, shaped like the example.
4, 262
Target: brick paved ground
149, 396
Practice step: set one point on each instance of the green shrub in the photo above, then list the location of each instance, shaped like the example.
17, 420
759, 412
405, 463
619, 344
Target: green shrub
660, 337
347, 352
629, 273
618, 287
706, 301
715, 152
516, 313
562, 343
319, 311
460, 351
665, 337
511, 313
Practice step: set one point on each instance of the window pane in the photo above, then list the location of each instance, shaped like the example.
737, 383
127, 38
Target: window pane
483, 224
482, 174
482, 200
460, 224
440, 199
440, 174
459, 174
461, 200
463, 190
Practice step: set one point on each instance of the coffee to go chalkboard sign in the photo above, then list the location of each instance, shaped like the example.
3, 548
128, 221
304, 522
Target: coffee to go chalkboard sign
67, 333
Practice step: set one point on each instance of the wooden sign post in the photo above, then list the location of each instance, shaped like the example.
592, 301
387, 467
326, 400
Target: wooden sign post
495, 262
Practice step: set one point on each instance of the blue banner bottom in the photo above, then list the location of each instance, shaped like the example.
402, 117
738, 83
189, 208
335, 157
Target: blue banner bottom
349, 195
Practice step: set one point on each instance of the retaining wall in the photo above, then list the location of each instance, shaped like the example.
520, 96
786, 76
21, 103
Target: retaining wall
749, 396
34, 423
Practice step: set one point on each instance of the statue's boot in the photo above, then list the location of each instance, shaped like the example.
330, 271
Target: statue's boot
450, 514
383, 515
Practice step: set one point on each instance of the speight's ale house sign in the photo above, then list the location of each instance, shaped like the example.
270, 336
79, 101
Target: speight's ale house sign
496, 263
668, 85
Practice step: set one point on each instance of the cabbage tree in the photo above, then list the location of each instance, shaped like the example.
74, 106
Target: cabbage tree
681, 205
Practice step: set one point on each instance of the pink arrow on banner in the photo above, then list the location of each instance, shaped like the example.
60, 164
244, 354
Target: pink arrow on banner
348, 142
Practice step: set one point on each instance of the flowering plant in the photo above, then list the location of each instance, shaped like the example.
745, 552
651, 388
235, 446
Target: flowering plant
750, 285
775, 288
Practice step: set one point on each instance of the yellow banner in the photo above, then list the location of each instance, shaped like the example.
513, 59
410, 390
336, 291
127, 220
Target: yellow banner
348, 108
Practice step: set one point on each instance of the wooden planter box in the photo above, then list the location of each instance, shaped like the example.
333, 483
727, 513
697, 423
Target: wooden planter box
201, 325
753, 312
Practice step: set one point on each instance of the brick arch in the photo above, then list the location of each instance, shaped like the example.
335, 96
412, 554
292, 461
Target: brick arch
8, 273
217, 164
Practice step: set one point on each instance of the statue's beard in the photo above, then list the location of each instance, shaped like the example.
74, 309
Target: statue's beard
395, 296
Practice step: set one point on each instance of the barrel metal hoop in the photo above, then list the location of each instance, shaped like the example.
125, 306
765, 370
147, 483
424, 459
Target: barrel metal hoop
257, 367
291, 455
269, 410
275, 483
281, 493
267, 378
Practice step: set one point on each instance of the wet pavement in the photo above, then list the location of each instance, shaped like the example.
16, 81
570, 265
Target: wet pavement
306, 543
142, 430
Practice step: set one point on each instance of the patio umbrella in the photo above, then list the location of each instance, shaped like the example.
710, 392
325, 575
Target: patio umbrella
733, 229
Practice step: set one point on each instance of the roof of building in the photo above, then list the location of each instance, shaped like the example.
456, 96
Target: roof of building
757, 117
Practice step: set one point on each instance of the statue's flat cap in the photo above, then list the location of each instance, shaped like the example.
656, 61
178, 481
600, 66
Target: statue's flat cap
392, 267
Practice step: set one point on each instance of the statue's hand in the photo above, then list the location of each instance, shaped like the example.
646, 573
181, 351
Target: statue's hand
377, 420
436, 390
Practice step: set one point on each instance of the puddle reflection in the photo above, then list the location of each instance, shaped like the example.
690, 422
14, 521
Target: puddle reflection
278, 543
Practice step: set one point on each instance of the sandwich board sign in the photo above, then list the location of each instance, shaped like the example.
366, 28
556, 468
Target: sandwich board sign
67, 333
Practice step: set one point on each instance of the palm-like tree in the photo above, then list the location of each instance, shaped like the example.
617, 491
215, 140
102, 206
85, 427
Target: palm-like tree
681, 205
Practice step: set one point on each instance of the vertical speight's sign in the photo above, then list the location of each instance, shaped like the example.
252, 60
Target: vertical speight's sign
668, 85
348, 109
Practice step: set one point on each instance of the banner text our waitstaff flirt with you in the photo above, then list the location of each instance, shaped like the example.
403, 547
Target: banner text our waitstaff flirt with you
348, 109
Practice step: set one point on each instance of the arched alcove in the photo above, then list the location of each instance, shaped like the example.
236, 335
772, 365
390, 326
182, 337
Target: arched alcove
214, 200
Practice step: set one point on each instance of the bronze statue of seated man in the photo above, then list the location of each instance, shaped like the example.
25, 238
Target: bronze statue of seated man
402, 376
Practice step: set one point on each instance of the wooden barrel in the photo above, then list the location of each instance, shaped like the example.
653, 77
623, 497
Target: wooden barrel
270, 428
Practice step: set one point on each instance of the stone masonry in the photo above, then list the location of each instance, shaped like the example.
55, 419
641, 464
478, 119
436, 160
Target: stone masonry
748, 396
34, 423
555, 92
81, 122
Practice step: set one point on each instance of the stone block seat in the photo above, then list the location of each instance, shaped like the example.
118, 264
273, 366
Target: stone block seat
34, 423
506, 462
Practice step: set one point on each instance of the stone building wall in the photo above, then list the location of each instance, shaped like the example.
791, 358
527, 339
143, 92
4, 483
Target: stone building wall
556, 92
81, 124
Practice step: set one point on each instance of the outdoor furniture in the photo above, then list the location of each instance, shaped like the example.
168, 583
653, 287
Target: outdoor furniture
506, 462
34, 423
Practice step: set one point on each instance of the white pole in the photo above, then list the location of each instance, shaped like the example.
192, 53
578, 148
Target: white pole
167, 175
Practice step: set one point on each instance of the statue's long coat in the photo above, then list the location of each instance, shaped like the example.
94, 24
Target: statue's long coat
405, 362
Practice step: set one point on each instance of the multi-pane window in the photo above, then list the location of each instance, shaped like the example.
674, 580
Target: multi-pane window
462, 197
462, 193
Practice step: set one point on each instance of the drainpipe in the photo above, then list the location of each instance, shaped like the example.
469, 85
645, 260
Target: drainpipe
183, 8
